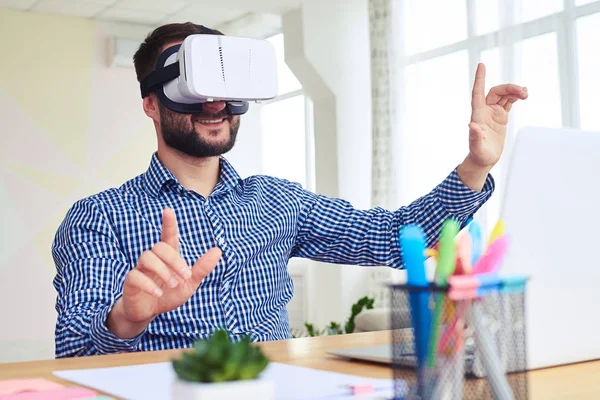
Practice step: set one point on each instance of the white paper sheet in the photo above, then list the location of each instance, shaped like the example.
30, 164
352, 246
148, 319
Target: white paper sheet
153, 382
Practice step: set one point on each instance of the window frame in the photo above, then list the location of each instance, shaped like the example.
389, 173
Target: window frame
563, 23
308, 126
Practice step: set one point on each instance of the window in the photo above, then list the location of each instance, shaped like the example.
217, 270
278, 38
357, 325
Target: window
550, 46
286, 127
284, 144
432, 134
529, 10
445, 25
588, 55
538, 70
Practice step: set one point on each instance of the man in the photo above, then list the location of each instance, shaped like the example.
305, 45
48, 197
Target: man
188, 246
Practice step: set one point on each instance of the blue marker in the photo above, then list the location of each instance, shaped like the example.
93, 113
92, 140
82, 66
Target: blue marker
412, 245
475, 232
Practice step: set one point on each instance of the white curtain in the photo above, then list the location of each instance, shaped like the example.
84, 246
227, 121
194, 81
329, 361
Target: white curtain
384, 98
424, 56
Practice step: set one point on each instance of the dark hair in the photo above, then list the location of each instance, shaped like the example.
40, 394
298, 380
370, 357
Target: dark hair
146, 56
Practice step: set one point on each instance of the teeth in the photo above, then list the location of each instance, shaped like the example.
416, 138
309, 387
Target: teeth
210, 121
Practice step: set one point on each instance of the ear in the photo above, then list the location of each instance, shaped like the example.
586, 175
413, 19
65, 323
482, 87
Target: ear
150, 104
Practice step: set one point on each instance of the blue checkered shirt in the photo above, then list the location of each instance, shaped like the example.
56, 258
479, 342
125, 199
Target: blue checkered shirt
259, 223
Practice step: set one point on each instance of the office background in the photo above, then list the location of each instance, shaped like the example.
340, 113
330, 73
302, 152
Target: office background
373, 107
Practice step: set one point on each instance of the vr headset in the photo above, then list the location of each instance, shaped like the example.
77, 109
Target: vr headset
211, 67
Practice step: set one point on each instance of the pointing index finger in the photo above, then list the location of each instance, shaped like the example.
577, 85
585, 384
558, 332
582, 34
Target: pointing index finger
478, 97
170, 232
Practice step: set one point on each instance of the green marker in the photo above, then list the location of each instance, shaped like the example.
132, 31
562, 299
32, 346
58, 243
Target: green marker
447, 252
445, 268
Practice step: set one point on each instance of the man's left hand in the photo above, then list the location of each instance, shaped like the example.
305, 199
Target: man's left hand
487, 129
489, 116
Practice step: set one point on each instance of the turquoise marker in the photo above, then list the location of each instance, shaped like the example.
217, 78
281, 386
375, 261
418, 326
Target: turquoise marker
514, 283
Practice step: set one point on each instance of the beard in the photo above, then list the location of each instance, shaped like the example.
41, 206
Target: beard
179, 132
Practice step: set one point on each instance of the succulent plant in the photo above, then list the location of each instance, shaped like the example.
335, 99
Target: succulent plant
219, 359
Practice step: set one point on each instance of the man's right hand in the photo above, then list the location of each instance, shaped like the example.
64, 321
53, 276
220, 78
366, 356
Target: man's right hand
162, 281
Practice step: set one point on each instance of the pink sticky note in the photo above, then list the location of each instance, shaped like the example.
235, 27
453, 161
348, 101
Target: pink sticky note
357, 390
27, 385
70, 393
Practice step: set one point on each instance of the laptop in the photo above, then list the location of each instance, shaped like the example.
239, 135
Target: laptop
551, 210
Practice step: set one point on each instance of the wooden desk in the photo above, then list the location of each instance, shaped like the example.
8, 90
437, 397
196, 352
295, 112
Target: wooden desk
577, 381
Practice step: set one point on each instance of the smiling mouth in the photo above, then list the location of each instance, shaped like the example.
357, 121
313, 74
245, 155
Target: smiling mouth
210, 122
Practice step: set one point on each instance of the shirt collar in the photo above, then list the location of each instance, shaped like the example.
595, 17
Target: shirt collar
228, 177
158, 175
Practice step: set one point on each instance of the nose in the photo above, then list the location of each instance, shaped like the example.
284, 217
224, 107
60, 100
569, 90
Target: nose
213, 107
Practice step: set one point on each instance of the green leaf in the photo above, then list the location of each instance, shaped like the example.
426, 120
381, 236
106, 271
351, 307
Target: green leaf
349, 327
236, 358
253, 368
219, 337
355, 310
216, 354
188, 369
201, 347
218, 376
183, 372
310, 329
334, 329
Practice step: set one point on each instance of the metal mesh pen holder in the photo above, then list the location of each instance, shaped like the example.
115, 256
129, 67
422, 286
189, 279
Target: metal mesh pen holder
480, 344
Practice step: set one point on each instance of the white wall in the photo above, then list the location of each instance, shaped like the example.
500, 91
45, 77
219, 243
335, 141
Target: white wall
327, 47
246, 155
56, 148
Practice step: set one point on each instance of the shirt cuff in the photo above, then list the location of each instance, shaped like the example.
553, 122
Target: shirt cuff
105, 341
461, 201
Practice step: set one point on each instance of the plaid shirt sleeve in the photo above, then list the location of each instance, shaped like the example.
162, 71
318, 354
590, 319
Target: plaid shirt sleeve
88, 261
331, 230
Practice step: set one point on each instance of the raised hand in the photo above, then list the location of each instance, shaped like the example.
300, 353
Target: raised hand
161, 281
489, 117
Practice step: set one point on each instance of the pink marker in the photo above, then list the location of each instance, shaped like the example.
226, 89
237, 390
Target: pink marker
492, 258
464, 246
462, 287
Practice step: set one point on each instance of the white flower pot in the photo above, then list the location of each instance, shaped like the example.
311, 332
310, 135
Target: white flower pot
235, 390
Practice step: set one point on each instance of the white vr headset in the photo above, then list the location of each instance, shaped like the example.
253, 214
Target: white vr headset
211, 67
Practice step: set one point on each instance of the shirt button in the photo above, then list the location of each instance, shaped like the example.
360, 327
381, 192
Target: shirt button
220, 241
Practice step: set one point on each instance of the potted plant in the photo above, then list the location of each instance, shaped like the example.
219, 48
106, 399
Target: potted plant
335, 328
217, 368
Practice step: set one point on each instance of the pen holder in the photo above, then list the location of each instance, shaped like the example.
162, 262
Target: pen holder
457, 346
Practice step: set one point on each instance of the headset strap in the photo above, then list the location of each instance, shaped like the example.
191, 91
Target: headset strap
158, 77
